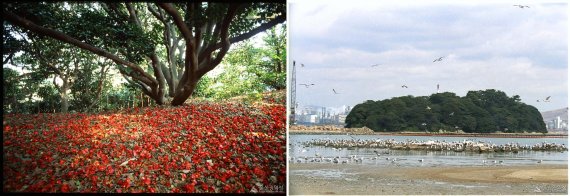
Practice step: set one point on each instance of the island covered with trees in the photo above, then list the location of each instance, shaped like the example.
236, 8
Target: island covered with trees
482, 111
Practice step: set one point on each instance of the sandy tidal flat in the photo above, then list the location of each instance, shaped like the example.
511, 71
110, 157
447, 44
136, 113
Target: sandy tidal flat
324, 179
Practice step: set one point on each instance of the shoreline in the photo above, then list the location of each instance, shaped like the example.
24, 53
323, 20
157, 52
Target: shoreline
484, 135
362, 179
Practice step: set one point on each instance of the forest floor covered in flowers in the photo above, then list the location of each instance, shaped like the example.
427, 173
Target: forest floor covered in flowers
199, 147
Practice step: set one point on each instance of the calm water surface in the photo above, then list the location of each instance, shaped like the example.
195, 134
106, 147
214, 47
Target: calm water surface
430, 158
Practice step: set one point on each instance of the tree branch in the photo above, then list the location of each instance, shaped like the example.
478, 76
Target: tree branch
244, 36
9, 58
191, 61
133, 14
173, 12
224, 37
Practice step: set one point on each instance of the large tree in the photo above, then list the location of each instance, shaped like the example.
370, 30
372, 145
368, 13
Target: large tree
164, 48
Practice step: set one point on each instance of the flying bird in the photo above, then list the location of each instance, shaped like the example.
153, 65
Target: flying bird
452, 113
302, 65
428, 108
522, 6
404, 86
439, 59
335, 91
547, 99
375, 65
307, 85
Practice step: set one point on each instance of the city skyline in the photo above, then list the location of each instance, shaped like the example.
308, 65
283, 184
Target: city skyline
374, 51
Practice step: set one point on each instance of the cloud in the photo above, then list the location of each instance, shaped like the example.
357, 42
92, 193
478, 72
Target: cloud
523, 52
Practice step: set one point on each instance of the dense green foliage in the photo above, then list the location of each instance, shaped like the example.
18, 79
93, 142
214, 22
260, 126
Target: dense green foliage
479, 111
249, 69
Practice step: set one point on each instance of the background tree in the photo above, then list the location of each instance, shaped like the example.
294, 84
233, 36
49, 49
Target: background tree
163, 48
251, 68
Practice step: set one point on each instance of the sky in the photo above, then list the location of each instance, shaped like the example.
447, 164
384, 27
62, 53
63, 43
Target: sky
520, 51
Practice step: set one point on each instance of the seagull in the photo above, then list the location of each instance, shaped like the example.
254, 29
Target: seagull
424, 124
428, 108
404, 86
307, 85
335, 91
522, 6
375, 65
452, 113
537, 100
377, 153
421, 160
539, 161
547, 99
439, 59
302, 65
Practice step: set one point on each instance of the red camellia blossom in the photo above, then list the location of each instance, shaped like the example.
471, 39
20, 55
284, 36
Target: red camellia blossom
64, 188
189, 188
226, 147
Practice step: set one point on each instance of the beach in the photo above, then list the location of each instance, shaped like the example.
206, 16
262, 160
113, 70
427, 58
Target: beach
346, 179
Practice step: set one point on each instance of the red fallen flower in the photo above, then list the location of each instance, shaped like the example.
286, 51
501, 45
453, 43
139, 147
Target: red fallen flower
110, 170
227, 188
189, 188
146, 181
64, 188
125, 183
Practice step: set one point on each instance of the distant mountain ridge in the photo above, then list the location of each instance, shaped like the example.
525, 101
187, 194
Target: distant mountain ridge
552, 114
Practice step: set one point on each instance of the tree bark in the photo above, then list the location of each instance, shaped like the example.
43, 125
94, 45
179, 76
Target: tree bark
185, 92
63, 93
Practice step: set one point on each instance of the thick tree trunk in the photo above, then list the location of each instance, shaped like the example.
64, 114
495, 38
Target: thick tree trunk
63, 95
64, 103
102, 78
185, 92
